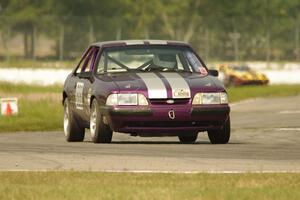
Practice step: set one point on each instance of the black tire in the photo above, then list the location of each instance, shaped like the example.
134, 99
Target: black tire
188, 139
100, 132
72, 130
221, 136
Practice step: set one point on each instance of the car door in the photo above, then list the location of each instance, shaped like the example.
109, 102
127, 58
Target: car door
83, 84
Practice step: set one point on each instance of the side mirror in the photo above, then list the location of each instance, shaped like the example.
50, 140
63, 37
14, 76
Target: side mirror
213, 72
85, 75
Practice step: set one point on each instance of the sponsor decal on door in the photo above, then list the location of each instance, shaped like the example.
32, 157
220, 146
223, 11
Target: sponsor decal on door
79, 95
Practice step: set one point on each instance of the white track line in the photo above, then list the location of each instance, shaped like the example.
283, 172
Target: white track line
162, 172
289, 112
197, 172
287, 129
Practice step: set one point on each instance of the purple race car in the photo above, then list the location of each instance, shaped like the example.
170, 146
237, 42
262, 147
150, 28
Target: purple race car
144, 88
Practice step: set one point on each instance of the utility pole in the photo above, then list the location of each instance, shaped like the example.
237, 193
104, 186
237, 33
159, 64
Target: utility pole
297, 51
269, 17
268, 46
146, 33
33, 42
91, 33
207, 44
6, 45
61, 42
235, 36
26, 44
119, 34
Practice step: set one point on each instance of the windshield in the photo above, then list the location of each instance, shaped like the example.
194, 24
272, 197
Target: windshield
147, 59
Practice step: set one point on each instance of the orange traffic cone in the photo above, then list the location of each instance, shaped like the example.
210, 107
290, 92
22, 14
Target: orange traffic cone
8, 110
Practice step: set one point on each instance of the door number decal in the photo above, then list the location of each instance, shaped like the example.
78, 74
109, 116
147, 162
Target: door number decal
79, 95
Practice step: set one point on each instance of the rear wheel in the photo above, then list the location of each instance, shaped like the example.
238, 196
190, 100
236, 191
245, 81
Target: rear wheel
221, 136
100, 132
72, 130
187, 139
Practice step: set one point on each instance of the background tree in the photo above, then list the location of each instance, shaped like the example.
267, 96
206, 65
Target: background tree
219, 30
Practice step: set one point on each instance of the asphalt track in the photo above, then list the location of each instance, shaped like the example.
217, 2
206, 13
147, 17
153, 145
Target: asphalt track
265, 137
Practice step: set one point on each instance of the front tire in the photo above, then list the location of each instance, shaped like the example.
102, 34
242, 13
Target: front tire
188, 139
72, 130
100, 132
221, 136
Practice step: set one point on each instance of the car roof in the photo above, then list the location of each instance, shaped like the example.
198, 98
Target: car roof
138, 42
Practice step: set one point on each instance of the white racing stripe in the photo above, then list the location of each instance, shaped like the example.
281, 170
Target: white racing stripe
134, 42
180, 88
157, 41
156, 87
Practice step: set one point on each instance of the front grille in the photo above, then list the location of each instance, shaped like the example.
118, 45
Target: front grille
165, 101
165, 124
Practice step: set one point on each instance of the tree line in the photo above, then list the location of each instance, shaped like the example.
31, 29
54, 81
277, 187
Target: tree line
219, 30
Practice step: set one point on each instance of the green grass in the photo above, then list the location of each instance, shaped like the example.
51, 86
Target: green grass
97, 185
41, 115
8, 88
247, 92
46, 114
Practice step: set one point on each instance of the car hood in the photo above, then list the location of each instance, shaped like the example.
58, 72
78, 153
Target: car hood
166, 84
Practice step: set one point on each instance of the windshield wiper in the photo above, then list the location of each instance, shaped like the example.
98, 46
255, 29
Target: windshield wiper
118, 63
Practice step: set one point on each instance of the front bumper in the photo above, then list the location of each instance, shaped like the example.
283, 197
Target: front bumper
156, 119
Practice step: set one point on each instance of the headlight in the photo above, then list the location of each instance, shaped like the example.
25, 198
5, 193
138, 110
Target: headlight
112, 100
223, 98
126, 99
210, 98
142, 101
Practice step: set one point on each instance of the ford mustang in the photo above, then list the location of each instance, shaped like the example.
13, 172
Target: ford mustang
144, 88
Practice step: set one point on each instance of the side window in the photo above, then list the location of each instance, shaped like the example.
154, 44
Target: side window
194, 62
183, 62
88, 60
101, 64
87, 63
82, 61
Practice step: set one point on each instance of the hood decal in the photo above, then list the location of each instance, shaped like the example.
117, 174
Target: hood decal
156, 87
180, 88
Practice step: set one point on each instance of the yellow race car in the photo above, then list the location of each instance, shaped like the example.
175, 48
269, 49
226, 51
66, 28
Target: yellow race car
242, 75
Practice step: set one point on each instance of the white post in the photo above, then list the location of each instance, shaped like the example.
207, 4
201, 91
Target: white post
61, 42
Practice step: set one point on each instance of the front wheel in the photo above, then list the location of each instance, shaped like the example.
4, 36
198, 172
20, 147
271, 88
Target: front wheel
100, 132
72, 130
188, 139
221, 136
